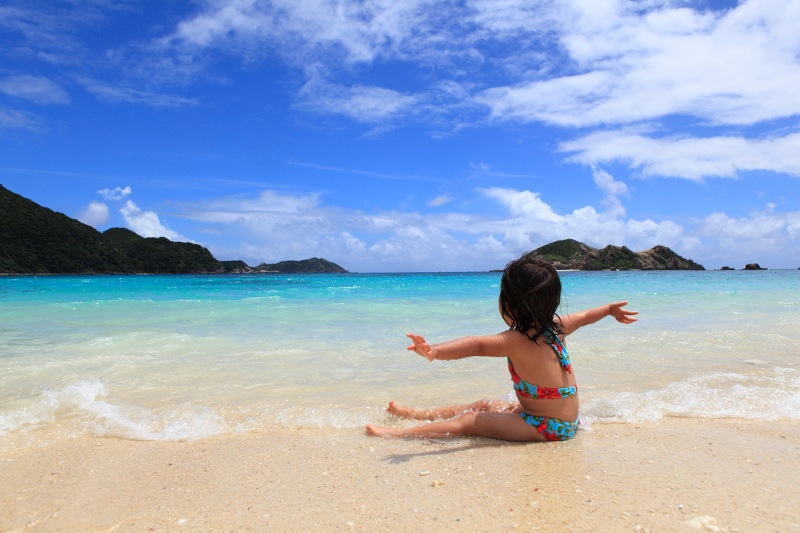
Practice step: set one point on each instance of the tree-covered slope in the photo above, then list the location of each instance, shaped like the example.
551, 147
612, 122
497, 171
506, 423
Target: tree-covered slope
570, 254
35, 239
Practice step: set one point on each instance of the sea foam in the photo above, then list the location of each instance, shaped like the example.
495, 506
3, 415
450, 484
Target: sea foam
771, 395
84, 407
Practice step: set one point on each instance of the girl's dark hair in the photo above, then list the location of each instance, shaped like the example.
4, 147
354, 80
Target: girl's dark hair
530, 293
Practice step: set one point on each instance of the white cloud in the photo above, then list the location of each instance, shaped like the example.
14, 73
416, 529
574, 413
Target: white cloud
688, 157
524, 204
634, 62
96, 214
147, 223
278, 226
771, 227
532, 223
766, 237
36, 89
612, 188
440, 200
606, 183
117, 193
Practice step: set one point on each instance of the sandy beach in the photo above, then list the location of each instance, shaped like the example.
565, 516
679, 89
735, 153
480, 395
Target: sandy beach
676, 475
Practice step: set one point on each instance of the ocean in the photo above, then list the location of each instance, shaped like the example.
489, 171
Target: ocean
192, 356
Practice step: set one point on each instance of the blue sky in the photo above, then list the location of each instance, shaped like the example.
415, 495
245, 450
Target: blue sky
413, 135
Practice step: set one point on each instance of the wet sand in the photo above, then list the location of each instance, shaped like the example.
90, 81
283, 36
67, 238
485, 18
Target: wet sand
674, 475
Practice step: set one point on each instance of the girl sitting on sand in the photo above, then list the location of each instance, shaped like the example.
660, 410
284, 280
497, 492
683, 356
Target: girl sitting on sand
530, 293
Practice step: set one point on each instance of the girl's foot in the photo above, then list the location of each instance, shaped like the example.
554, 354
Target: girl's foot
384, 432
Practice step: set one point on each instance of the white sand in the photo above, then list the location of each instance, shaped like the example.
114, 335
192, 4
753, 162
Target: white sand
677, 475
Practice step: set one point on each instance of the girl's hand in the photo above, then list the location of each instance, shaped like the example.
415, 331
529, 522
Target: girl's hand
622, 315
420, 346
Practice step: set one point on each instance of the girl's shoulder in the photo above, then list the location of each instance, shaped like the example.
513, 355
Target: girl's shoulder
521, 344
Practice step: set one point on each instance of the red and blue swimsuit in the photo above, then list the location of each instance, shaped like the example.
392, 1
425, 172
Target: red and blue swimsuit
550, 428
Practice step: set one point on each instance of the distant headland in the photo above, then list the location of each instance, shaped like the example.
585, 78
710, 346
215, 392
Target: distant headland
37, 240
569, 254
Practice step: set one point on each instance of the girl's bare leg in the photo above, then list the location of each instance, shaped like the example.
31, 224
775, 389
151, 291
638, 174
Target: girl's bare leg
426, 414
451, 411
506, 426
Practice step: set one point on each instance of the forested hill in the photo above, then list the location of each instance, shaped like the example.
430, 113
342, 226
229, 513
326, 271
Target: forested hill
38, 240
315, 265
570, 254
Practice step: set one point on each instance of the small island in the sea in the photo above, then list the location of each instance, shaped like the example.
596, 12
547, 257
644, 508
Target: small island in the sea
315, 265
569, 254
38, 240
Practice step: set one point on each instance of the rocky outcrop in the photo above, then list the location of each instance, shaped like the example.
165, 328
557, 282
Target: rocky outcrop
662, 258
753, 266
570, 254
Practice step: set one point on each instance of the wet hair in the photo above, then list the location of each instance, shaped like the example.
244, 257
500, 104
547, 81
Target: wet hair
530, 293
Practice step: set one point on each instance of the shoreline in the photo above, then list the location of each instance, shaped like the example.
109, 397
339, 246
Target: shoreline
259, 272
678, 474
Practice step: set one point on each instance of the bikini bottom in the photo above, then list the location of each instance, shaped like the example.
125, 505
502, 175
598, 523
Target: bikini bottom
552, 428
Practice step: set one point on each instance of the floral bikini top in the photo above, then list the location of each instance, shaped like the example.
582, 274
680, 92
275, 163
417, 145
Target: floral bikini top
529, 390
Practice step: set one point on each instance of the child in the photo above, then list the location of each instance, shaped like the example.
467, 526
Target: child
530, 293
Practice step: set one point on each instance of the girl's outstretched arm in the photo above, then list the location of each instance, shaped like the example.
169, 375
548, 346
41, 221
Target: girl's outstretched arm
572, 322
487, 346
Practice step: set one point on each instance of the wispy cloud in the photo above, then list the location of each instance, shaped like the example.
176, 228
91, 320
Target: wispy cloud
440, 200
36, 89
368, 104
15, 119
304, 31
363, 172
49, 31
115, 94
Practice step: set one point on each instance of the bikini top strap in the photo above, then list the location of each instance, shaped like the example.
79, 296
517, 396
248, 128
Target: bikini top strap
561, 350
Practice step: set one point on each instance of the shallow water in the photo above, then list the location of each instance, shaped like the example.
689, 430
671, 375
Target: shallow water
184, 357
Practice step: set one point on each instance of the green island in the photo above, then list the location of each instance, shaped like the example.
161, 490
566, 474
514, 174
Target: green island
569, 254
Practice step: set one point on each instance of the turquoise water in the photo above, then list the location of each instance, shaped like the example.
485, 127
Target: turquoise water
184, 357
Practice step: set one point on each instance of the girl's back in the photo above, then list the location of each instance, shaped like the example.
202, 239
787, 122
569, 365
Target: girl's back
538, 363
